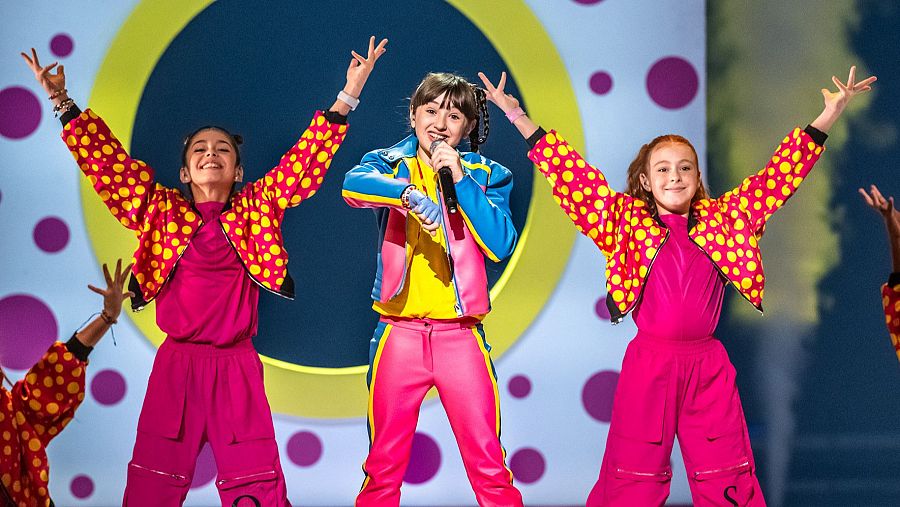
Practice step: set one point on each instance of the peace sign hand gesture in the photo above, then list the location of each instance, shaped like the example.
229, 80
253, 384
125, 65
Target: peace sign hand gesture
360, 67
495, 94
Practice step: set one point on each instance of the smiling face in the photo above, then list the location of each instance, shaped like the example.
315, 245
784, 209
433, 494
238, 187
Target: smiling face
211, 161
439, 119
442, 106
672, 176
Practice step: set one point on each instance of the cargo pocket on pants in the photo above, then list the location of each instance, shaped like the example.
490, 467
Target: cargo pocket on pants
635, 485
249, 489
642, 392
248, 415
732, 484
635, 474
154, 488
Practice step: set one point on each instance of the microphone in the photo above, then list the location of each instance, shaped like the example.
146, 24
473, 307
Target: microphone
445, 182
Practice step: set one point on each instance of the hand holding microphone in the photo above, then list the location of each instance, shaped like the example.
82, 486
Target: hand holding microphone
445, 175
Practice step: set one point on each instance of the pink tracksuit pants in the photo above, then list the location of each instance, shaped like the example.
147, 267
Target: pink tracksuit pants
685, 389
199, 393
407, 358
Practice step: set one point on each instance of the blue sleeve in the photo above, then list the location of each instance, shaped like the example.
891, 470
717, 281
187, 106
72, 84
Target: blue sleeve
486, 212
373, 184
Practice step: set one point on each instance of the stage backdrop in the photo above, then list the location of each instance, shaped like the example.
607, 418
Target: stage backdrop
609, 75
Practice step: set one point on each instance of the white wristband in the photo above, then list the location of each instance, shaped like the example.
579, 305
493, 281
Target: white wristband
348, 99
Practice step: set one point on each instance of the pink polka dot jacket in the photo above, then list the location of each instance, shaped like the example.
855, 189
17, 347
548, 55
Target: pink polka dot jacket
890, 298
31, 414
165, 221
727, 228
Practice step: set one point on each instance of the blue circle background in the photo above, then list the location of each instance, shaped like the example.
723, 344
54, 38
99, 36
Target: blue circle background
261, 72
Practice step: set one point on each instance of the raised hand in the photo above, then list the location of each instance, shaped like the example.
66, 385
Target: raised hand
52, 83
891, 217
495, 94
839, 99
835, 102
112, 294
360, 67
508, 104
877, 202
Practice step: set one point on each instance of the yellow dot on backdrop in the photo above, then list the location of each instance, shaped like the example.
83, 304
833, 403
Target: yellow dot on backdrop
532, 271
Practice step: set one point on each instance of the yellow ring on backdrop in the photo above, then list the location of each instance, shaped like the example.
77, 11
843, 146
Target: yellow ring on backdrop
533, 271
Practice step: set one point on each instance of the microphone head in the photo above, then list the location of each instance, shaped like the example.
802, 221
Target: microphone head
435, 143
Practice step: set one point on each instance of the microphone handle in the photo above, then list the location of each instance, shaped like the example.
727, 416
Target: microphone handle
448, 189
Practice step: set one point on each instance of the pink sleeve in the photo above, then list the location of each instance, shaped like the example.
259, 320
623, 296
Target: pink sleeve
51, 391
123, 183
582, 191
890, 299
760, 195
301, 170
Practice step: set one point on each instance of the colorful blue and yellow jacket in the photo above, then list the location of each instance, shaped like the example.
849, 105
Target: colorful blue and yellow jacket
482, 228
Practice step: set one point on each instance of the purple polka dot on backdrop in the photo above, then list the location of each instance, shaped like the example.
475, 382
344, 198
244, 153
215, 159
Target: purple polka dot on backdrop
527, 465
519, 386
601, 83
672, 82
51, 234
598, 393
205, 470
304, 448
81, 487
601, 309
424, 460
588, 2
62, 45
108, 387
27, 328
20, 112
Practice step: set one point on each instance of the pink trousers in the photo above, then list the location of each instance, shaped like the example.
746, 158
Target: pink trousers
685, 389
199, 393
407, 358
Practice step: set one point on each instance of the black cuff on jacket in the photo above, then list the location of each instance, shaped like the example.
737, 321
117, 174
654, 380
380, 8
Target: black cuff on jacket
534, 138
70, 115
894, 279
817, 135
78, 349
336, 117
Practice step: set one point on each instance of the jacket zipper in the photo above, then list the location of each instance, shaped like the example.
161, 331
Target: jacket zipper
649, 267
257, 282
730, 282
459, 306
702, 473
158, 472
171, 271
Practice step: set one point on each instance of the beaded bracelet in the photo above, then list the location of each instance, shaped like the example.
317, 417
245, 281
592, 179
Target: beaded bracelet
57, 93
404, 197
63, 107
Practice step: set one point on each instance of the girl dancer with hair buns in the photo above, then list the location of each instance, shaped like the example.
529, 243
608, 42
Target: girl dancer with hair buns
206, 383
